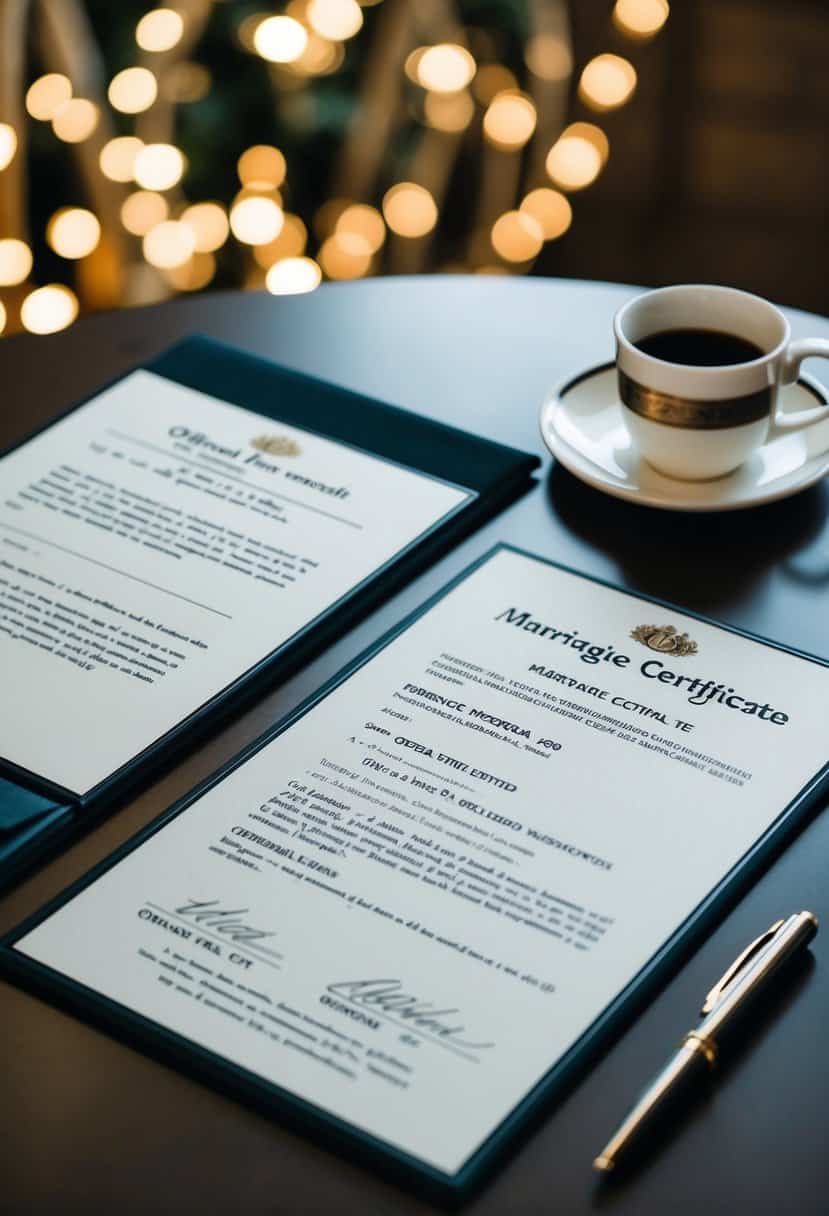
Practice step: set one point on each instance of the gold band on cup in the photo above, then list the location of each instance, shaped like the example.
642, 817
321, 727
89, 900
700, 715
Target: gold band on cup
696, 415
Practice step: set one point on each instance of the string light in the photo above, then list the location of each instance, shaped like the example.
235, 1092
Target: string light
133, 90
550, 209
15, 261
578, 155
517, 236
449, 112
445, 68
159, 166
169, 244
209, 224
117, 157
48, 309
289, 244
510, 120
549, 57
73, 232
340, 260
256, 220
159, 30
607, 82
261, 167
409, 209
641, 18
280, 39
75, 120
335, 19
142, 210
292, 276
8, 145
47, 94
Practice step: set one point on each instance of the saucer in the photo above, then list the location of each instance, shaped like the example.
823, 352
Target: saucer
581, 424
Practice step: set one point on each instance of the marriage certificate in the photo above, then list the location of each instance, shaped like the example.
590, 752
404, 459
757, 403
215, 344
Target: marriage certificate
413, 901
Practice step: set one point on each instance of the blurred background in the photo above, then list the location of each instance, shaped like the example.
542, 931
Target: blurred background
209, 144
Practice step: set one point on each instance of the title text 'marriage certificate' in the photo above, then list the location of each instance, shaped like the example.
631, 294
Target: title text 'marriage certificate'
155, 545
408, 905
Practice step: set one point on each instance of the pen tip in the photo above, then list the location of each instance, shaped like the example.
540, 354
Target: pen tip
603, 1164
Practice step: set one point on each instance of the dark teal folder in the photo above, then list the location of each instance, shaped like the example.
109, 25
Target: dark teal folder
35, 815
349, 1140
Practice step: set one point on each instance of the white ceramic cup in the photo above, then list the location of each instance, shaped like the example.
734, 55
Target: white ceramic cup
693, 422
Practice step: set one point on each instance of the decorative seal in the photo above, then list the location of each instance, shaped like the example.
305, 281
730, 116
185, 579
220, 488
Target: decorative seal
694, 415
664, 639
276, 445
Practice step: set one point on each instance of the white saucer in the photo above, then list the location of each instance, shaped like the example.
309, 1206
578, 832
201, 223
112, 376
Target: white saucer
581, 424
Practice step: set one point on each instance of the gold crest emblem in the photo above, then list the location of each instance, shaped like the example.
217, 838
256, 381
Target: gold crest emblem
276, 445
664, 639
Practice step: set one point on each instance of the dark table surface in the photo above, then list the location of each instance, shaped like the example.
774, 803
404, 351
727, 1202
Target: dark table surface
89, 1125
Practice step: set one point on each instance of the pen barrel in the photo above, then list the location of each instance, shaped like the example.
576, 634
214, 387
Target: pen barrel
682, 1074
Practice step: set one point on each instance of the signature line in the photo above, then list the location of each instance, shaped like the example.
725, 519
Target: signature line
407, 1026
43, 541
256, 951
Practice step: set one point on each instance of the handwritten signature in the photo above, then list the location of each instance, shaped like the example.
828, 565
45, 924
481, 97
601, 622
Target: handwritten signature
389, 996
223, 921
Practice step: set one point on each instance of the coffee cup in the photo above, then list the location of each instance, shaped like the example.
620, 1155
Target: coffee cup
699, 368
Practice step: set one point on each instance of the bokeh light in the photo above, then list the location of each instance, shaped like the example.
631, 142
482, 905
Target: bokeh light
8, 144
75, 120
445, 68
192, 275
490, 79
607, 82
184, 82
73, 232
48, 309
576, 158
641, 18
133, 90
117, 157
256, 220
47, 94
159, 30
451, 112
549, 57
510, 120
517, 236
15, 261
280, 39
409, 209
290, 243
142, 210
341, 260
292, 276
361, 228
320, 57
261, 167
550, 209
2, 316
210, 226
159, 166
335, 19
169, 244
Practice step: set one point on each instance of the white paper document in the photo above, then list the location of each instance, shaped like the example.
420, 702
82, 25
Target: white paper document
155, 545
407, 906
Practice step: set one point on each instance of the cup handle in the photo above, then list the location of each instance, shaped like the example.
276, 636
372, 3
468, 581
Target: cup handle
796, 352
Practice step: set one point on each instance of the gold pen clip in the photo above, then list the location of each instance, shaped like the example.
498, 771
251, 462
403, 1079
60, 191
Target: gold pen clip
739, 963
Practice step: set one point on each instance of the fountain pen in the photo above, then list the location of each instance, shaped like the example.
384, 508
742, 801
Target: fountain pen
721, 1011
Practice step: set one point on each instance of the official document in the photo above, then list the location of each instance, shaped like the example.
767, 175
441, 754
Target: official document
408, 905
155, 545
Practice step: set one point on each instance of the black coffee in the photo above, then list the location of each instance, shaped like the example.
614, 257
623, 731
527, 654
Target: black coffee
699, 347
